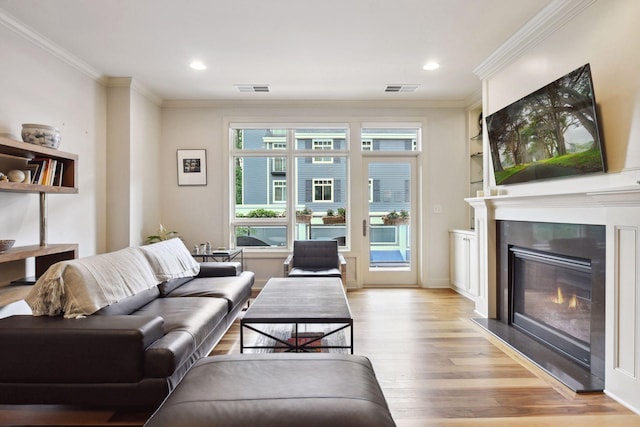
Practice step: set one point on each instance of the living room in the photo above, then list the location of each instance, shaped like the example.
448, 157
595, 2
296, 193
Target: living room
126, 138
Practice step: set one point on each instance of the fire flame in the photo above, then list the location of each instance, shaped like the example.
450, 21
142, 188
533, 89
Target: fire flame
559, 299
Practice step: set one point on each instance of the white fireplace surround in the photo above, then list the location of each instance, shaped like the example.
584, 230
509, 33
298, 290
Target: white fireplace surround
619, 210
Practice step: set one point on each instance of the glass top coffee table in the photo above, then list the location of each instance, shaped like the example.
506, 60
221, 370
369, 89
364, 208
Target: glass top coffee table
301, 303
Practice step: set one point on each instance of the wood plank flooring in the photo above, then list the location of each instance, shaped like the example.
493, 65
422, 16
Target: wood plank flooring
435, 366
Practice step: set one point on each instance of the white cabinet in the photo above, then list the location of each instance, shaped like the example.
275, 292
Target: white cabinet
463, 261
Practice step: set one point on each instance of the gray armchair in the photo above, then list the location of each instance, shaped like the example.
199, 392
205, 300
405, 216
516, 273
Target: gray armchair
315, 258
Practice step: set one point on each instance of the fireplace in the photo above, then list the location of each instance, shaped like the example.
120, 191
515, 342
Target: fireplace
550, 298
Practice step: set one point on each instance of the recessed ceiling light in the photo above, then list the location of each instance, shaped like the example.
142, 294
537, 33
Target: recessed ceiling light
198, 65
430, 66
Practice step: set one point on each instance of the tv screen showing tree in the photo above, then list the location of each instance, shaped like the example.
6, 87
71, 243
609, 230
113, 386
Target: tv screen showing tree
550, 133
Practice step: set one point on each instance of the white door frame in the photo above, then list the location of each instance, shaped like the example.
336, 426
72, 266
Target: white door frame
390, 276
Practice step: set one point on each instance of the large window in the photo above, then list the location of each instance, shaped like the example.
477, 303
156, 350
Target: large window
278, 199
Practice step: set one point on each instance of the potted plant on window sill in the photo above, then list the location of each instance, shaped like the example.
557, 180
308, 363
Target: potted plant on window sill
304, 216
395, 218
332, 218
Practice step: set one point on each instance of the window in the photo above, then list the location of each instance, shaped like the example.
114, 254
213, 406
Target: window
322, 190
269, 190
390, 139
278, 164
322, 144
279, 191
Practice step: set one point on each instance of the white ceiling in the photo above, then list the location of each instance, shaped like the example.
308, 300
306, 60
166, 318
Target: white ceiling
304, 50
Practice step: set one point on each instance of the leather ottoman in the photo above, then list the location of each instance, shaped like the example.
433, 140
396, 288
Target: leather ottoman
280, 390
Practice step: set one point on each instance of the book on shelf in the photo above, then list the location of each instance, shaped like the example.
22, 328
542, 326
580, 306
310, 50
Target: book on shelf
57, 176
46, 171
38, 165
32, 169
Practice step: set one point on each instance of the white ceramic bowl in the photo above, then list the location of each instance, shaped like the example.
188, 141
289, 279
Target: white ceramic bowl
44, 135
5, 245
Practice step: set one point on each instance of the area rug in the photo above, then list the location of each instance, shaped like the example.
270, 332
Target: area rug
308, 332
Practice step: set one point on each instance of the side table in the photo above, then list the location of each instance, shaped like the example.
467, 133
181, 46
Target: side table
222, 255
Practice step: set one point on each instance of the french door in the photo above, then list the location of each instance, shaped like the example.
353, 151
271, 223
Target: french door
389, 223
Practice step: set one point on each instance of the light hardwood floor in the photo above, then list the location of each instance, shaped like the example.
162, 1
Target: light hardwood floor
435, 366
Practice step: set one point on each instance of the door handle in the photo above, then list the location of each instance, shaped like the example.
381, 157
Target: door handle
364, 228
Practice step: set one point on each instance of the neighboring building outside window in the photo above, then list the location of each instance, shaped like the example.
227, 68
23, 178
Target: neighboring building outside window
279, 191
269, 190
323, 190
322, 144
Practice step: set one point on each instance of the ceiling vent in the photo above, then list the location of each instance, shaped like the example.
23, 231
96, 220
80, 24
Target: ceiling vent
253, 88
401, 88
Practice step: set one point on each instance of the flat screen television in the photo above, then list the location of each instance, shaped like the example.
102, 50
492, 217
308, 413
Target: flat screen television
551, 133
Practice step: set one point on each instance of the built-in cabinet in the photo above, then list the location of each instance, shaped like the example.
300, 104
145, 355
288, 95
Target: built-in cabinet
15, 154
463, 246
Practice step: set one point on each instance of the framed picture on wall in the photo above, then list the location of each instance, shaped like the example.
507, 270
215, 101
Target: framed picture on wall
192, 167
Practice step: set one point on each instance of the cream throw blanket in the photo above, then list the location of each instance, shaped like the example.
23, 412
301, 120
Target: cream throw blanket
80, 287
170, 259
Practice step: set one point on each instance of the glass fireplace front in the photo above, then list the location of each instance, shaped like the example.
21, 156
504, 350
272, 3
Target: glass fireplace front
551, 300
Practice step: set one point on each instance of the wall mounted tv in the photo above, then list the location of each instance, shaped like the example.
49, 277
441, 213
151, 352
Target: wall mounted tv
550, 133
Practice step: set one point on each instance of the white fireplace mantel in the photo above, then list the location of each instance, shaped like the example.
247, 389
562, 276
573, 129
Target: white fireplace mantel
619, 210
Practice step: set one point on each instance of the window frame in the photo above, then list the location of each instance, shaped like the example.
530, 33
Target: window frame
292, 153
282, 184
322, 183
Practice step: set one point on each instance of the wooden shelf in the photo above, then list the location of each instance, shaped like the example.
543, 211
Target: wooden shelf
19, 153
21, 252
33, 188
45, 255
13, 148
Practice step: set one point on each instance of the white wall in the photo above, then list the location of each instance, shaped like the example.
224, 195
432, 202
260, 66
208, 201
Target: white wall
144, 169
118, 161
133, 139
201, 213
37, 87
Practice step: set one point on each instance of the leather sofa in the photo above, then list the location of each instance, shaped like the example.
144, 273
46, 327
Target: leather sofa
131, 352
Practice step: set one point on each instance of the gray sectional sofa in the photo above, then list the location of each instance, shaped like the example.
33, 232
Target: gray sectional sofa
118, 329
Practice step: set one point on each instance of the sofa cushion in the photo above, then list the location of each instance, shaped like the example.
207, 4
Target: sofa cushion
234, 290
80, 287
219, 269
130, 304
166, 355
170, 259
197, 316
314, 272
166, 287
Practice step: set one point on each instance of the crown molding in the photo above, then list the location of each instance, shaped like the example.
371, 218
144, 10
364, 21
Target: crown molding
135, 85
324, 103
554, 16
49, 46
